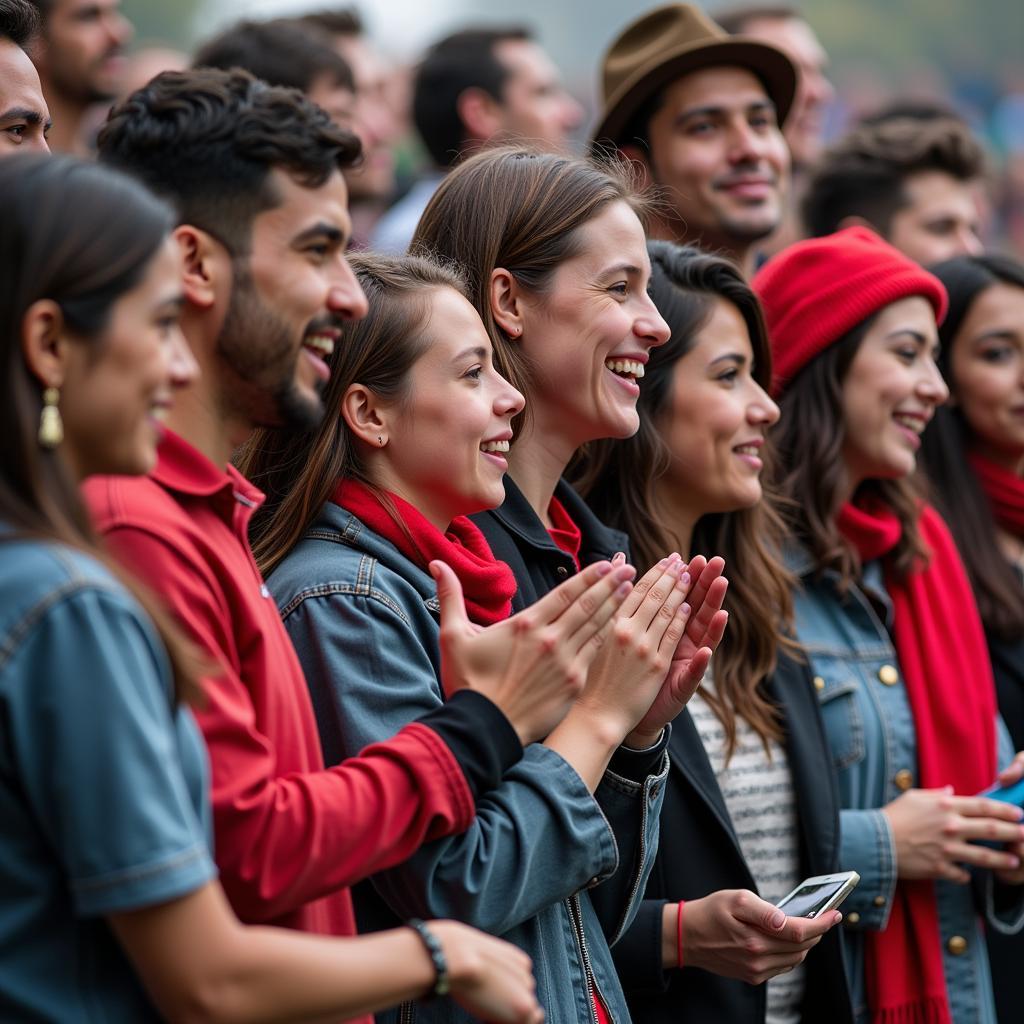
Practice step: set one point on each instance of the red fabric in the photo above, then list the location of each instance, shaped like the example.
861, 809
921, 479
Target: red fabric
600, 1012
488, 585
564, 532
817, 290
290, 835
944, 661
1005, 493
679, 933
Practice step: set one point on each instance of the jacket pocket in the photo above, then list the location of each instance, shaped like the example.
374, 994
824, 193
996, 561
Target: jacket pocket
837, 687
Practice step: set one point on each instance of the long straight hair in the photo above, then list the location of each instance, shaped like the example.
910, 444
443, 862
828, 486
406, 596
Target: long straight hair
297, 471
947, 441
81, 236
619, 479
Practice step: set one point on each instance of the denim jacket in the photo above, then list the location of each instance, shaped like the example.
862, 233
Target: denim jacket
871, 734
364, 621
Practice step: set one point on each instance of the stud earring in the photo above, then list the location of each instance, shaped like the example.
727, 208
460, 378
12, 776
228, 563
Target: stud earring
51, 426
380, 440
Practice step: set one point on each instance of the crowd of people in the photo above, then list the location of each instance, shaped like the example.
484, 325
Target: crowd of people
488, 599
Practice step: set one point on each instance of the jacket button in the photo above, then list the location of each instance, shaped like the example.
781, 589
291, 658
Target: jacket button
819, 683
852, 918
904, 779
889, 675
562, 571
957, 945
879, 901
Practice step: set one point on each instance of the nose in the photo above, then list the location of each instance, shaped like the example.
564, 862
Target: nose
762, 411
36, 144
745, 145
181, 363
970, 243
119, 29
508, 401
345, 296
572, 113
931, 386
650, 325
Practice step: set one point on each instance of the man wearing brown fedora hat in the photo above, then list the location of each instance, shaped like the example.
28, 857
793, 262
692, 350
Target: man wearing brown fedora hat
700, 112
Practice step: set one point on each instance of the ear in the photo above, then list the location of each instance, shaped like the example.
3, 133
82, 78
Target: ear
479, 113
506, 302
365, 415
206, 265
43, 343
640, 161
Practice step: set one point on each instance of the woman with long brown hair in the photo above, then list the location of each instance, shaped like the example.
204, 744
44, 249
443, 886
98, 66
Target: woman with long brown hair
358, 513
885, 613
111, 905
557, 263
746, 816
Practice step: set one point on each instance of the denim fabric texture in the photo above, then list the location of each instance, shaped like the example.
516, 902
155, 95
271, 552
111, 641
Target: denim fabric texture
870, 730
103, 786
364, 621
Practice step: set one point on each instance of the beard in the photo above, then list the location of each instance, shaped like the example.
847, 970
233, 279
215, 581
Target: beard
260, 352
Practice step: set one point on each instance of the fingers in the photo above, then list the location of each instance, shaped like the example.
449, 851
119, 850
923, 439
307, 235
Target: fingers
711, 599
992, 829
449, 596
1014, 771
659, 605
561, 600
751, 909
644, 584
595, 605
982, 807
803, 932
981, 856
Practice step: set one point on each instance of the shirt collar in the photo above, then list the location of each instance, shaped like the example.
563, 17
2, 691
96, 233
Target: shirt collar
181, 467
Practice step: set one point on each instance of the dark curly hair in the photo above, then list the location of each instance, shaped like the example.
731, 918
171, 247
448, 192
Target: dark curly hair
207, 140
19, 21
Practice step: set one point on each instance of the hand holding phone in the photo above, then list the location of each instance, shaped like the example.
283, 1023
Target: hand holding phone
819, 894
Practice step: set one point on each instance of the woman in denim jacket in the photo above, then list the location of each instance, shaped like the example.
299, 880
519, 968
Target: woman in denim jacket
422, 422
886, 616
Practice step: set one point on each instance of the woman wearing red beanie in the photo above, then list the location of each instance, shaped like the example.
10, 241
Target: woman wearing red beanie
887, 618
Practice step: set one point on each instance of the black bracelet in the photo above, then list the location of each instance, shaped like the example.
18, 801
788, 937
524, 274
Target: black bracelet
442, 983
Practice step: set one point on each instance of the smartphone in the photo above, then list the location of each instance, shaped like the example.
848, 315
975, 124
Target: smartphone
813, 896
1012, 794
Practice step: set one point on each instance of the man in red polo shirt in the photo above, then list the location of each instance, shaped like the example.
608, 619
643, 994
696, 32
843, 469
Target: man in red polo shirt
255, 173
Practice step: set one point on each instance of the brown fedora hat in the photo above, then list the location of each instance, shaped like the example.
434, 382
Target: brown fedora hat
670, 42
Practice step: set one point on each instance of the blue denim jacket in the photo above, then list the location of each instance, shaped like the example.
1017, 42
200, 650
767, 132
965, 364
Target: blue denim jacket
871, 733
364, 621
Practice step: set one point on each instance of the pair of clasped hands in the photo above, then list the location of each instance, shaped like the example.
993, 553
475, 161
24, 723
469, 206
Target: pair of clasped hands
599, 662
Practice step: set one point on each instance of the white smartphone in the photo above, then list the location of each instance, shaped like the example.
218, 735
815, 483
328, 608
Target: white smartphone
814, 896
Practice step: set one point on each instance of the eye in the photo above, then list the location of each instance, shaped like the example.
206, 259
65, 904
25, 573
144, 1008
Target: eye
17, 131
700, 128
474, 373
620, 288
997, 354
728, 376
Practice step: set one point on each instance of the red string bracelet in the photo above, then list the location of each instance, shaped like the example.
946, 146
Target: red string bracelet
679, 934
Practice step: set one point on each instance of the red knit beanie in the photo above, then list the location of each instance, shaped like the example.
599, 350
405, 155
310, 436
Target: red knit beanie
815, 292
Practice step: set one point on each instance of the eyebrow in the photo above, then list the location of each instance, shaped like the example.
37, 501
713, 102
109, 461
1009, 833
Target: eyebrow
25, 114
711, 111
916, 335
999, 334
621, 268
479, 351
320, 230
730, 357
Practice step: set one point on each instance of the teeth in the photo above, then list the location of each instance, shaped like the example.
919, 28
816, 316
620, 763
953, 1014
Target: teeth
159, 412
320, 343
910, 422
747, 449
495, 446
625, 366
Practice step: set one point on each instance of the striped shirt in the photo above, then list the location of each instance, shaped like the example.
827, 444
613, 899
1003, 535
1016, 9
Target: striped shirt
758, 794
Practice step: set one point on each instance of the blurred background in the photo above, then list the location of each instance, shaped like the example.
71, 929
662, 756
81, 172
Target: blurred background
964, 52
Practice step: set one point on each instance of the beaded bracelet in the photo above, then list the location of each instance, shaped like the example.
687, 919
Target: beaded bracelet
442, 983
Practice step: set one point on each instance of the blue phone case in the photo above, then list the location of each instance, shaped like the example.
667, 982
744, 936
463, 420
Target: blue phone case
1013, 794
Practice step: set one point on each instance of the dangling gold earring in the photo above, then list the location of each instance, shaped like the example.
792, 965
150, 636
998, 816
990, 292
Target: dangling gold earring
51, 426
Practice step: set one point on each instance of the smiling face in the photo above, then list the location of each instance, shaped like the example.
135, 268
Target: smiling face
939, 220
987, 367
891, 390
589, 334
715, 145
715, 420
118, 388
289, 301
446, 438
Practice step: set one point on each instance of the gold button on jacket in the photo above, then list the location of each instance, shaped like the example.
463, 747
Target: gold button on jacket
957, 945
853, 917
819, 683
889, 675
904, 779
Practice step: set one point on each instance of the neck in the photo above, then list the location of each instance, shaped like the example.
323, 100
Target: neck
676, 519
199, 416
743, 256
536, 464
1012, 462
68, 132
380, 474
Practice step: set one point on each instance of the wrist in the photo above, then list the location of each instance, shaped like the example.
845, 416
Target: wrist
600, 728
669, 936
435, 951
643, 739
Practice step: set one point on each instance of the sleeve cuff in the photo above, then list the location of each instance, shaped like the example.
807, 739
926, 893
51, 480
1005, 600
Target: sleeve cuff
637, 765
867, 847
1004, 906
638, 954
479, 736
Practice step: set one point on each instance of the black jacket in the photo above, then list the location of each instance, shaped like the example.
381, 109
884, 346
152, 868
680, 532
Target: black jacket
699, 854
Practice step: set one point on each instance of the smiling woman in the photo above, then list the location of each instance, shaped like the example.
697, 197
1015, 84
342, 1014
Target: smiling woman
885, 613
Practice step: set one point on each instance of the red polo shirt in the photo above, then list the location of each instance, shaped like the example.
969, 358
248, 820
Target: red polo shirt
290, 834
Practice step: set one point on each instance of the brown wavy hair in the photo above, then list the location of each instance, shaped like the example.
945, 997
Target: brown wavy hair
809, 441
619, 480
298, 471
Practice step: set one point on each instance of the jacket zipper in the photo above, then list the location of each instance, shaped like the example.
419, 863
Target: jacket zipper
406, 1013
643, 856
593, 992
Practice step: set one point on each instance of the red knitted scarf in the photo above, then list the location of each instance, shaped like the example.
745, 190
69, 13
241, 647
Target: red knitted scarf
1005, 493
487, 584
944, 662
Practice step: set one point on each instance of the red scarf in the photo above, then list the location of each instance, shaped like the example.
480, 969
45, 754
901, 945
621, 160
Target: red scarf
487, 584
1005, 493
944, 660
564, 532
